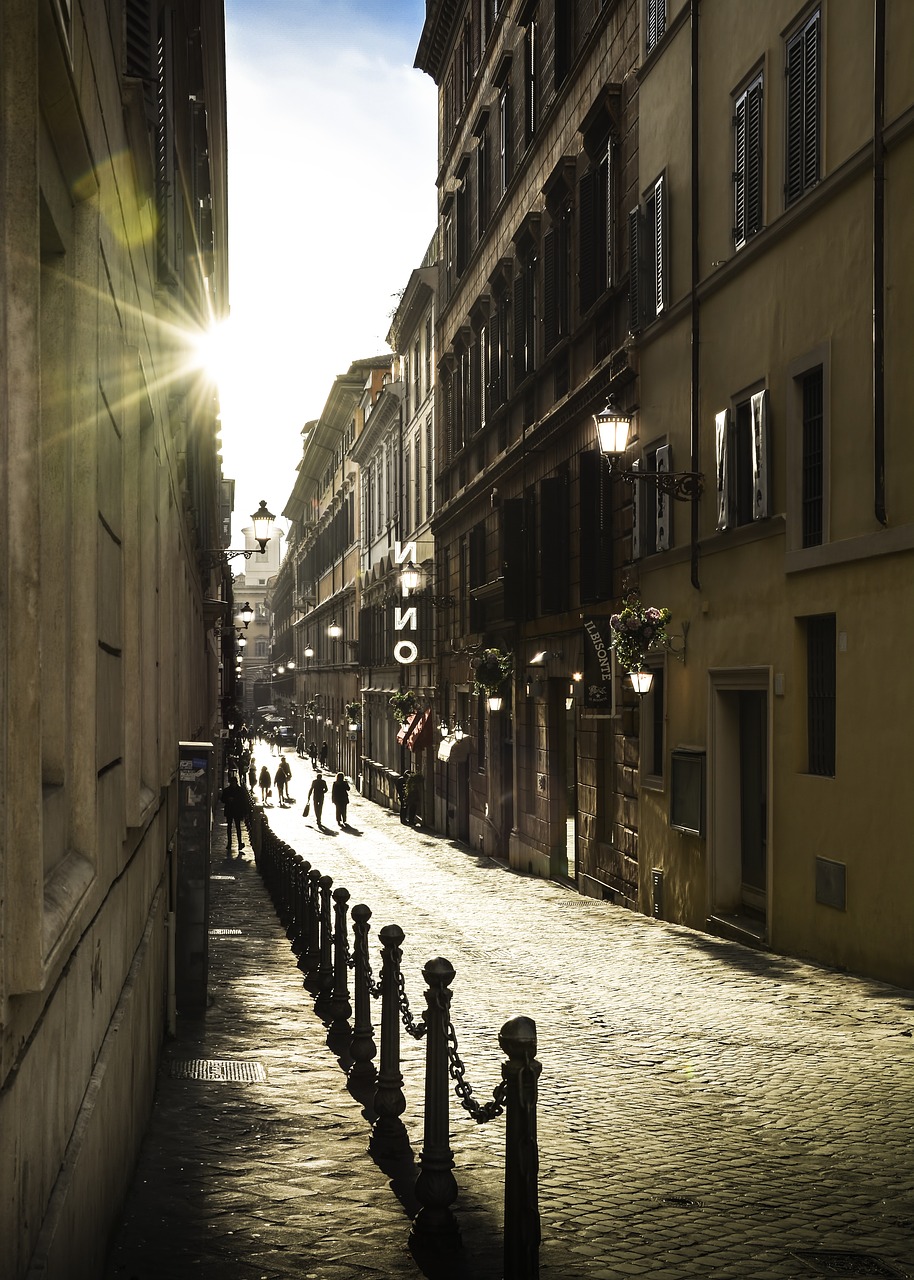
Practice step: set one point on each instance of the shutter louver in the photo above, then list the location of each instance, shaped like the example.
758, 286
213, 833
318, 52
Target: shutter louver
587, 258
803, 60
739, 175
634, 271
721, 432
609, 211
811, 103
550, 300
520, 343
754, 160
636, 513
659, 228
760, 451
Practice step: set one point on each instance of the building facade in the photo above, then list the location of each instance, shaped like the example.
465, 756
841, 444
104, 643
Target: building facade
112, 241
776, 364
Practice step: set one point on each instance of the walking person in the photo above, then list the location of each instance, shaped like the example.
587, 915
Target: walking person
286, 770
235, 806
339, 794
316, 792
265, 783
252, 775
312, 752
323, 755
279, 782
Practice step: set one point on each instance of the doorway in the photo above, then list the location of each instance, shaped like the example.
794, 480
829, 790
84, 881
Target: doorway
740, 740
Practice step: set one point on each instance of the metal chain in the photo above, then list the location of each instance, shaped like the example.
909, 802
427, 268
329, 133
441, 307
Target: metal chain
481, 1112
374, 988
416, 1029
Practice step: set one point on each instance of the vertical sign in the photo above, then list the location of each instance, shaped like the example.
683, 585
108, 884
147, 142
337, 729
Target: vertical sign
598, 665
195, 805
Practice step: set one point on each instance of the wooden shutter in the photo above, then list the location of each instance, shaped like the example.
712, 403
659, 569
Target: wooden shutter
520, 321
721, 429
634, 270
609, 211
550, 291
554, 544
595, 555
760, 456
587, 258
512, 557
660, 245
811, 102
802, 167
664, 463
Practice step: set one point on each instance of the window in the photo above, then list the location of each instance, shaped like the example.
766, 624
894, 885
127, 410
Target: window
417, 481
595, 555
463, 206
531, 76
596, 222
742, 445
407, 476
557, 280
406, 386
813, 459
564, 40
651, 509
747, 163
417, 370
803, 75
525, 311
653, 720
504, 138
428, 354
648, 271
654, 23
821, 694
429, 467
553, 540
448, 252
482, 181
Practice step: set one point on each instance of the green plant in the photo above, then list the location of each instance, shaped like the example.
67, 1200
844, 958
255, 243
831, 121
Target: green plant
354, 712
635, 629
403, 704
493, 672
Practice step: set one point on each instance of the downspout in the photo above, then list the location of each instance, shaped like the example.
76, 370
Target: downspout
695, 425
879, 262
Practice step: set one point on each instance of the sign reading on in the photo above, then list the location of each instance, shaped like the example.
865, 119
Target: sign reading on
405, 651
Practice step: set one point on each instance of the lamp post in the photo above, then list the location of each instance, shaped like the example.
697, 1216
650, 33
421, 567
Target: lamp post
263, 520
612, 425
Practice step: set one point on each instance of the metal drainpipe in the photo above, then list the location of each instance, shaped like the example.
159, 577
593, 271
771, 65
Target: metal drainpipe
879, 261
695, 425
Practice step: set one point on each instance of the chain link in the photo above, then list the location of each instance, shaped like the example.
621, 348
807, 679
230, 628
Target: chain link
481, 1112
374, 988
416, 1029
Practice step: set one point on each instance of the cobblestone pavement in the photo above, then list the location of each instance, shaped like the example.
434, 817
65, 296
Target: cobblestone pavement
705, 1110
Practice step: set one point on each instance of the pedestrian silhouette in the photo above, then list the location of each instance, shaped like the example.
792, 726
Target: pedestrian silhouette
235, 806
339, 794
316, 792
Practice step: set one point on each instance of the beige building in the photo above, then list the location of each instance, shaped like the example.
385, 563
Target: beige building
774, 331
112, 243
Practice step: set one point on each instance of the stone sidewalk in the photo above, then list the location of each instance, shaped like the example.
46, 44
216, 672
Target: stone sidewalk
705, 1110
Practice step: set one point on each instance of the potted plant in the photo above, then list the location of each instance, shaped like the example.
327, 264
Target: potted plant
636, 629
403, 704
493, 673
354, 712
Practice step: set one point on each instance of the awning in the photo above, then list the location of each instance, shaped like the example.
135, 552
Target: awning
453, 748
420, 733
407, 726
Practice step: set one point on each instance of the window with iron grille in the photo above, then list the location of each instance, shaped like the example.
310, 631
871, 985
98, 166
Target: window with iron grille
803, 58
813, 495
654, 23
821, 680
747, 166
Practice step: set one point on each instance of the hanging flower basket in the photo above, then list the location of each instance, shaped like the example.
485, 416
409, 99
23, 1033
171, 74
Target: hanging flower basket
403, 704
493, 672
354, 712
636, 630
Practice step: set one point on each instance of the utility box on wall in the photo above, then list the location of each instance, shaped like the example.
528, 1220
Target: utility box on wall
195, 806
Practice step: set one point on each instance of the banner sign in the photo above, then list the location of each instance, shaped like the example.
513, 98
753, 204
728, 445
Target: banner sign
598, 665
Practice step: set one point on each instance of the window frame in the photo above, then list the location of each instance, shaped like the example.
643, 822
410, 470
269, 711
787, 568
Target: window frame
748, 160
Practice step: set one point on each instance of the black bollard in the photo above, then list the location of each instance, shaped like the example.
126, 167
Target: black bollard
338, 1006
520, 1074
389, 1139
324, 985
300, 890
312, 956
436, 1186
362, 1047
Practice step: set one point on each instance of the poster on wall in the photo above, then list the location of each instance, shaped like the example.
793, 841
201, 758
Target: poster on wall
597, 693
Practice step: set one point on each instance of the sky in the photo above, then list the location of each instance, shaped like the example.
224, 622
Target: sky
332, 203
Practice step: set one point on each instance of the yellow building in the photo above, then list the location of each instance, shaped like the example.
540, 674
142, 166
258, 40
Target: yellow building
773, 321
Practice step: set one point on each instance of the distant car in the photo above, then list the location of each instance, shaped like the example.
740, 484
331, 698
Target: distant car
286, 735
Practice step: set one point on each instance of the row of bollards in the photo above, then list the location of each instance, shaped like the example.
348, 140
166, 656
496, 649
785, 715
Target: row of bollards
316, 917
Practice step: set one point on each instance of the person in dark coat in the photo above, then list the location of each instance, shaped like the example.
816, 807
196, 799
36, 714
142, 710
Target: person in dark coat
339, 794
324, 755
316, 792
312, 752
252, 775
235, 805
265, 783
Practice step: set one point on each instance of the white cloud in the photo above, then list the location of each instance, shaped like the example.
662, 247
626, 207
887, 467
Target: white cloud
332, 159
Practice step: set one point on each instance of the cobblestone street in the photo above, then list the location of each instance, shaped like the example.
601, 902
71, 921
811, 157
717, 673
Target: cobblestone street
705, 1110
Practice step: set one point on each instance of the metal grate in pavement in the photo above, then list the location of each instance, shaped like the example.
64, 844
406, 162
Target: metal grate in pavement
580, 900
239, 1069
831, 1262
223, 877
225, 933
